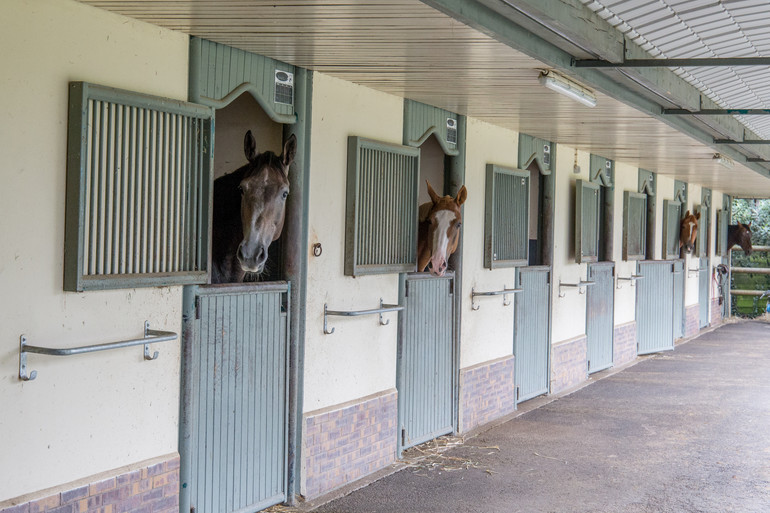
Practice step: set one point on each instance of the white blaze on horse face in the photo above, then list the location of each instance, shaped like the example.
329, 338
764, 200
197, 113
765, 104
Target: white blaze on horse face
444, 219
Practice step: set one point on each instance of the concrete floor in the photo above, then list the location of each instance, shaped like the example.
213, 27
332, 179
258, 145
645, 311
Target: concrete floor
684, 431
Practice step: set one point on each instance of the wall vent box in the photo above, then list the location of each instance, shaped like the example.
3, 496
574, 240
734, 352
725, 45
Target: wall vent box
451, 130
284, 87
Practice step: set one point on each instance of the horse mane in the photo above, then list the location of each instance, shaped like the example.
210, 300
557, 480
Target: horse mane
424, 211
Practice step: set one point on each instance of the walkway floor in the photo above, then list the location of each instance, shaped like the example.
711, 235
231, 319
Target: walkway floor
685, 431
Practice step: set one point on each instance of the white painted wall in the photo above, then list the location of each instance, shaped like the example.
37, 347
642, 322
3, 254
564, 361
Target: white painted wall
90, 413
487, 333
568, 318
359, 358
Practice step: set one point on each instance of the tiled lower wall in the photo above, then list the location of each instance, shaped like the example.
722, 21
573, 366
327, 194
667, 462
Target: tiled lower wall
716, 312
692, 320
150, 489
569, 364
624, 344
487, 392
347, 442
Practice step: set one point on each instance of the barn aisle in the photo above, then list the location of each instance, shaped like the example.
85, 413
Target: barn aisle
683, 431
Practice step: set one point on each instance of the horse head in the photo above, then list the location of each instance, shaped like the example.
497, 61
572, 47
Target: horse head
439, 230
264, 189
739, 234
688, 231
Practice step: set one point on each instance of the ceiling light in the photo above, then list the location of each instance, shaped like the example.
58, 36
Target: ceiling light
724, 160
567, 87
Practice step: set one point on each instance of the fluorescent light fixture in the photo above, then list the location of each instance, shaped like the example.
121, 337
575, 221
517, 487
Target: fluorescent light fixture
567, 87
724, 160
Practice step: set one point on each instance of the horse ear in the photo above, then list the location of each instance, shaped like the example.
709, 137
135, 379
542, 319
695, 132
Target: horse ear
433, 196
687, 214
462, 195
289, 150
748, 226
697, 216
249, 146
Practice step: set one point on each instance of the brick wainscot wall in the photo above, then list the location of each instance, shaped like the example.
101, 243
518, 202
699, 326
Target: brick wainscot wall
487, 392
569, 364
346, 442
148, 487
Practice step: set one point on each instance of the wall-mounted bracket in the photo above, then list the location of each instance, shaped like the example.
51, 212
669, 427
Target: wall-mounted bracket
581, 285
633, 278
150, 337
504, 293
690, 272
384, 308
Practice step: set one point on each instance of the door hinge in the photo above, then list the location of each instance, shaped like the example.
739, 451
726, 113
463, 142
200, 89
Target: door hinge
406, 289
452, 286
517, 394
403, 437
197, 307
589, 365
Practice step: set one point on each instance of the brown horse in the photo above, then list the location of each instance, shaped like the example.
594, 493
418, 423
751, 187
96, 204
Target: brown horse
249, 207
688, 231
739, 234
439, 230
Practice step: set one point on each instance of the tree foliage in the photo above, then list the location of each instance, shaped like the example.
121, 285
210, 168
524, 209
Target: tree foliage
756, 212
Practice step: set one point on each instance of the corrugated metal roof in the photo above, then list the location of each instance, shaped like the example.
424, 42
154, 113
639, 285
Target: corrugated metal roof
408, 49
704, 28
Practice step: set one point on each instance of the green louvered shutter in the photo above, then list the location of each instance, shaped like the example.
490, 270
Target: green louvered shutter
587, 211
672, 215
506, 226
138, 190
634, 225
381, 208
721, 232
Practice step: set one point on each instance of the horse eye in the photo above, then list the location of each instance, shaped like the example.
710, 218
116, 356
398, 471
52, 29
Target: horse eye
285, 194
240, 189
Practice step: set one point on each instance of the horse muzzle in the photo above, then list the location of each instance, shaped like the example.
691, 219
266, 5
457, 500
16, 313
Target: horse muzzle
252, 260
438, 268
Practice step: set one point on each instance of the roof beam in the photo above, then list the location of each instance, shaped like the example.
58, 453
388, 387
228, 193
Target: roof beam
673, 63
717, 112
745, 141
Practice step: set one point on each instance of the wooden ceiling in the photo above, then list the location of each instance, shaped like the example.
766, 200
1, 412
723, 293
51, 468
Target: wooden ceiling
406, 48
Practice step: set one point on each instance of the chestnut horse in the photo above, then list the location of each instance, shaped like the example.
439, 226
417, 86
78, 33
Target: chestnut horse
688, 231
249, 208
739, 234
439, 230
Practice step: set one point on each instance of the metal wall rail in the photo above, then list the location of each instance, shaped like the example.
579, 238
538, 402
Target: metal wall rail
355, 313
581, 285
504, 293
632, 279
150, 337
